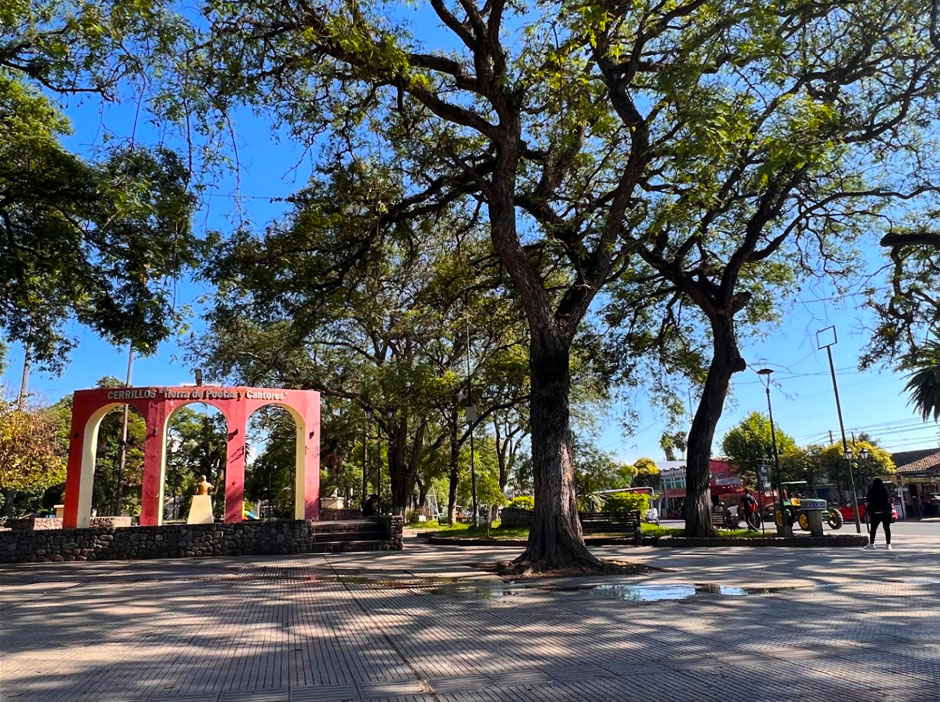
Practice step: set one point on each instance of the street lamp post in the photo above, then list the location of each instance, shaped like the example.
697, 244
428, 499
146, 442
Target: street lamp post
853, 462
826, 343
471, 419
763, 469
783, 529
365, 458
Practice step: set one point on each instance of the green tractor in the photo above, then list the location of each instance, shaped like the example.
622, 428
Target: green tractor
796, 509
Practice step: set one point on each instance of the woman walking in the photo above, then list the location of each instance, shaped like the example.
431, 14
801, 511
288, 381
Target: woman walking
878, 508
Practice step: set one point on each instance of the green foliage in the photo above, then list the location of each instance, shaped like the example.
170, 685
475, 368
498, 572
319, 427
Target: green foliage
924, 382
750, 442
31, 458
672, 443
832, 460
196, 446
907, 308
378, 323
488, 490
80, 46
597, 470
523, 502
627, 502
94, 241
647, 474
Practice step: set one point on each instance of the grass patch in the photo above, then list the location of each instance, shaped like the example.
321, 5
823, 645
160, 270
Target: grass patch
469, 532
433, 525
656, 530
742, 534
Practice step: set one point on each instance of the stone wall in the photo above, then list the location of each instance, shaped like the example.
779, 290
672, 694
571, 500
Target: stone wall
395, 527
332, 515
265, 537
513, 517
33, 523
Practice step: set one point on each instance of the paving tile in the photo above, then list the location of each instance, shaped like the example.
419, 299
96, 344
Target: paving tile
466, 682
392, 688
326, 693
346, 629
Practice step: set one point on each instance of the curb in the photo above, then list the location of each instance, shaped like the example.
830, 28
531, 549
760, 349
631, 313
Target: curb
841, 541
846, 540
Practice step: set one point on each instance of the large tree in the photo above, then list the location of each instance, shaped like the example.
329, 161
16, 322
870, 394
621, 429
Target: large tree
796, 127
697, 136
31, 458
381, 321
908, 329
98, 240
93, 241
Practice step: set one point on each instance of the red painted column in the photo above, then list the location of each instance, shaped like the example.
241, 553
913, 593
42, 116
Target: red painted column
151, 488
236, 414
73, 476
312, 458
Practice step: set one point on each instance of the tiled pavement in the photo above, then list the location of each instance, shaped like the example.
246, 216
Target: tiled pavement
336, 628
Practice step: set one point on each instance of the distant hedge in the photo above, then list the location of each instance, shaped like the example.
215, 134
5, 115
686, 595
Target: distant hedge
627, 502
523, 502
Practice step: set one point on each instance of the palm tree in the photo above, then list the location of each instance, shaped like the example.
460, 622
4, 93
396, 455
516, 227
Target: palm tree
924, 382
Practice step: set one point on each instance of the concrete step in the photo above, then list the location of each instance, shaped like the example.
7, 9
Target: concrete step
365, 535
352, 525
350, 546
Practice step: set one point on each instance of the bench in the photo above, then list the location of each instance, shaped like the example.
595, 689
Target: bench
612, 522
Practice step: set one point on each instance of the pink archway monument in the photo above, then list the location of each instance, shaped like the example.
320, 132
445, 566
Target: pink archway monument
156, 404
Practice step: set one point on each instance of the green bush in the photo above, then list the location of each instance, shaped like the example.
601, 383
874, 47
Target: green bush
523, 502
627, 502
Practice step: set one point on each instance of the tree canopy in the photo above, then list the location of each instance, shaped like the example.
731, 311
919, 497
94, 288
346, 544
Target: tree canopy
95, 241
31, 459
91, 241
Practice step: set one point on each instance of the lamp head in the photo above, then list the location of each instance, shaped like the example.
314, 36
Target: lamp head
764, 374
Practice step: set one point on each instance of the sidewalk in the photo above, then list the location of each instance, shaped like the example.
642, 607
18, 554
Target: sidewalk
423, 626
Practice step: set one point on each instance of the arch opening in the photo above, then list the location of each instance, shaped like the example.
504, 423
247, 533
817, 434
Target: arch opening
118, 462
196, 446
275, 454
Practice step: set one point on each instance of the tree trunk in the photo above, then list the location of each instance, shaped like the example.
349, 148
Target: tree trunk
725, 362
421, 502
555, 540
502, 444
402, 473
9, 511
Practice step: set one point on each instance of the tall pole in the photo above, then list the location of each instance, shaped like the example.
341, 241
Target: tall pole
24, 380
471, 420
378, 467
783, 528
845, 444
760, 495
123, 460
365, 461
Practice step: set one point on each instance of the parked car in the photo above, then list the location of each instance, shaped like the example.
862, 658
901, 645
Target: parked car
848, 513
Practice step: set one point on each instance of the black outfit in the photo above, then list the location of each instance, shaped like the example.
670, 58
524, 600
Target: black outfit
879, 511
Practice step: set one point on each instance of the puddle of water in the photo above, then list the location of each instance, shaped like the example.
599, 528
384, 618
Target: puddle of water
615, 591
915, 581
480, 592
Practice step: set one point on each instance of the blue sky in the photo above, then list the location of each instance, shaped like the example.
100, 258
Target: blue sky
804, 407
